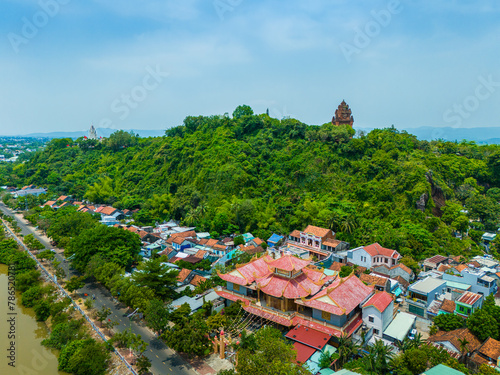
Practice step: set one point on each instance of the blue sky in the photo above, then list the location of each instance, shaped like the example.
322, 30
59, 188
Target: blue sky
147, 64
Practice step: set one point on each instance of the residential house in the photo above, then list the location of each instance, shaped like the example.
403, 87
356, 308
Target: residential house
378, 312
317, 241
468, 303
110, 211
247, 237
274, 239
197, 302
378, 283
28, 191
185, 276
397, 270
434, 262
422, 293
480, 281
447, 307
51, 204
488, 353
290, 291
442, 370
64, 198
451, 340
255, 242
373, 255
197, 279
402, 324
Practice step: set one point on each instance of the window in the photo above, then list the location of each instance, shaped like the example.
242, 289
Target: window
376, 331
393, 261
370, 319
325, 315
236, 287
386, 260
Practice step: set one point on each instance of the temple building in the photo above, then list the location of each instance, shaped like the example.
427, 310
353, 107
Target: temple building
316, 241
343, 115
290, 291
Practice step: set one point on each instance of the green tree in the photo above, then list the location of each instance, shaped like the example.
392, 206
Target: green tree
143, 364
91, 359
157, 276
242, 110
272, 356
449, 322
103, 314
75, 283
157, 316
483, 325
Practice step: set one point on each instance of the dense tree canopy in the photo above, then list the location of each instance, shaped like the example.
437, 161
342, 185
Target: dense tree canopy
261, 174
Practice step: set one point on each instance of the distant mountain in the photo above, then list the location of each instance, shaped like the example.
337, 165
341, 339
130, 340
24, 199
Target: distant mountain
429, 133
101, 132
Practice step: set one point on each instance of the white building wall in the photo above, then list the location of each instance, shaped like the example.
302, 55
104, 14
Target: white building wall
360, 257
377, 323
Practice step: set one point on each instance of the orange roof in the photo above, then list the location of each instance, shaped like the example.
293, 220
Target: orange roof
257, 241
107, 210
336, 266
183, 275
373, 280
380, 301
49, 203
62, 197
453, 336
375, 249
219, 247
403, 267
200, 254
460, 267
331, 242
448, 306
443, 267
295, 233
197, 279
490, 348
316, 231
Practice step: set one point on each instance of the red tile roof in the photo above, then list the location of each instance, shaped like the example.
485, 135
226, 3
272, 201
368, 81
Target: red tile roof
341, 297
375, 249
317, 231
49, 203
317, 326
469, 298
309, 337
232, 297
289, 263
336, 266
181, 277
303, 352
380, 301
295, 233
197, 279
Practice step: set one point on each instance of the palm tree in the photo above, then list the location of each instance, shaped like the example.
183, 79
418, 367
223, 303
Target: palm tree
346, 349
404, 345
464, 348
383, 352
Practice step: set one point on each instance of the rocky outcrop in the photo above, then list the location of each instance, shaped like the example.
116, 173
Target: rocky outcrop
422, 202
437, 195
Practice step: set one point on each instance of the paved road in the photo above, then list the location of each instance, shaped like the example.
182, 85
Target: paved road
163, 360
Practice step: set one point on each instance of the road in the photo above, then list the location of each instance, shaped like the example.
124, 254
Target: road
163, 360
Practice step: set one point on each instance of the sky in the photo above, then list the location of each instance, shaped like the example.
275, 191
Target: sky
147, 64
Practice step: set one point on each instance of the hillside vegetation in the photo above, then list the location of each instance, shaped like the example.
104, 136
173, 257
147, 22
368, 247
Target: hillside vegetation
255, 173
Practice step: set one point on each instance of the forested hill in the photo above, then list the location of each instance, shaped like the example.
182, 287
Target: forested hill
256, 173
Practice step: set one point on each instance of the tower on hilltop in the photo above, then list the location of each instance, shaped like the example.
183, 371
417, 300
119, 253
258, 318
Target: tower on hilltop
92, 132
343, 115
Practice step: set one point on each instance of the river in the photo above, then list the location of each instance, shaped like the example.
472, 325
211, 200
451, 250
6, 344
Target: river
31, 358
